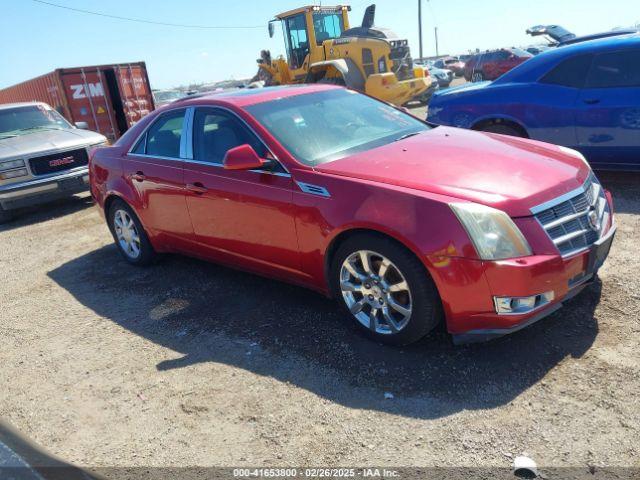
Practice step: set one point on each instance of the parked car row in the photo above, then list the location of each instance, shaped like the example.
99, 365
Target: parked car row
492, 64
442, 76
450, 63
585, 96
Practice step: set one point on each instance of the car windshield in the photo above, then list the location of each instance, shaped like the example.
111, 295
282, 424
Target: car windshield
325, 126
23, 120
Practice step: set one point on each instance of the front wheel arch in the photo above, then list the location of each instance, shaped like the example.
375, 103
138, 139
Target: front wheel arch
341, 237
422, 287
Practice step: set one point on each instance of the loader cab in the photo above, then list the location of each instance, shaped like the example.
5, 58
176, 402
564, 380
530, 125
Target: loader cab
305, 29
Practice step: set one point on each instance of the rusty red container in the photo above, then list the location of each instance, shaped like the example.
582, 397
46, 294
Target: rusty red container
110, 98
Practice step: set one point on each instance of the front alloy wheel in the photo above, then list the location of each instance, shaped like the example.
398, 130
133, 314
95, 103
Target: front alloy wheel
376, 292
385, 288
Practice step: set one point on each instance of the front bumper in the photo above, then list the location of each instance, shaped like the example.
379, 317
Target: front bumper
42, 190
468, 288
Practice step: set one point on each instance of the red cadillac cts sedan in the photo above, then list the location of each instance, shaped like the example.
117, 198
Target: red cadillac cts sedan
406, 224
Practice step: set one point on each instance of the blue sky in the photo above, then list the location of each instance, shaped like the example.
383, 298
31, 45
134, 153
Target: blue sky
37, 38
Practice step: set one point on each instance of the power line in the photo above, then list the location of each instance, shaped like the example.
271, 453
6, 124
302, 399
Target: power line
151, 22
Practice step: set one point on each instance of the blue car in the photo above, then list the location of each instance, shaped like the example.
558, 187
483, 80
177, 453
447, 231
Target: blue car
584, 96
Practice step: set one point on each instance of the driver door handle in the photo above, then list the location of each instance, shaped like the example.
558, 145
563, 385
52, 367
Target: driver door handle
197, 188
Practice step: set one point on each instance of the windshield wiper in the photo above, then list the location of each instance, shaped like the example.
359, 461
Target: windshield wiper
406, 135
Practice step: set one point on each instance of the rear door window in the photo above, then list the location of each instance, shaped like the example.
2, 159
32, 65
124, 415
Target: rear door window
163, 138
615, 69
571, 72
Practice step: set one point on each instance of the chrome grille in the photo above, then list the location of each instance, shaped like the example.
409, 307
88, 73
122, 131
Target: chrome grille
569, 220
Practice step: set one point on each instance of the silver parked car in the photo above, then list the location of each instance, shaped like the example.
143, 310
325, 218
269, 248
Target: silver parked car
42, 156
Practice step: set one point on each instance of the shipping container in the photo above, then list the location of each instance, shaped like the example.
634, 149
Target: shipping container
110, 98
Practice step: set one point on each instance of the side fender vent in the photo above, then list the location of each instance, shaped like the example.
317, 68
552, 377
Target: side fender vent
313, 189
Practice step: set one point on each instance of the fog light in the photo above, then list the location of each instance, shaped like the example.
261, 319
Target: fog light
520, 305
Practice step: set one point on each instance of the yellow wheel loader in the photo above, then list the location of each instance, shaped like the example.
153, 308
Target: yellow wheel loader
321, 47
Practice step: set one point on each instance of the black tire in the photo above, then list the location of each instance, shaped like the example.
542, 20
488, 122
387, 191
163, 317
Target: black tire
426, 311
503, 129
147, 254
5, 216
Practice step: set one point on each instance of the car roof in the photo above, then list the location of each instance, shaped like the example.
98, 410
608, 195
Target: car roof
6, 106
542, 63
250, 96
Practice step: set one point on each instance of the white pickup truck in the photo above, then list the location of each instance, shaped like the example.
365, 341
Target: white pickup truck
42, 156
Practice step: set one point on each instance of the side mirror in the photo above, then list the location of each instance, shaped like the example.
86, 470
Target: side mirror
243, 157
82, 125
271, 29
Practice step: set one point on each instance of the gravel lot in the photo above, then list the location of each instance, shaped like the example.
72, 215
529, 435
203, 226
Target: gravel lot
187, 363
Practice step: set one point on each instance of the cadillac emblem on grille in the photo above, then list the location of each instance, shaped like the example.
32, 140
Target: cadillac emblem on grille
61, 161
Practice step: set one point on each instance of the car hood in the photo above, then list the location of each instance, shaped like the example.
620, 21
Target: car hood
507, 173
46, 140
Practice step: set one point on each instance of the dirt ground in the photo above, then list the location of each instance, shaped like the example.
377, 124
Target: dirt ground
191, 364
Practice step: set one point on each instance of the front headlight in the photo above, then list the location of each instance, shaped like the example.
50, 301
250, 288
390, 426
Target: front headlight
11, 164
492, 231
575, 153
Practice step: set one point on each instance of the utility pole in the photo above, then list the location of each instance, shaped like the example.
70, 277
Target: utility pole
436, 30
420, 26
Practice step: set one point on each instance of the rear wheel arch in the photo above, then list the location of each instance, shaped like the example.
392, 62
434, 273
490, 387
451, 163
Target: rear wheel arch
113, 197
109, 201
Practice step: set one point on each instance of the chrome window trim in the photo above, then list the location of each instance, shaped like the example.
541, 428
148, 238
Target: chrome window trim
186, 140
188, 128
141, 155
219, 165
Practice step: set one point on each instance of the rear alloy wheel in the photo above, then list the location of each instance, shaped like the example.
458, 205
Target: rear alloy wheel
385, 289
129, 235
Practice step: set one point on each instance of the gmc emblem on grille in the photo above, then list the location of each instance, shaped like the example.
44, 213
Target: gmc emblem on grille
61, 161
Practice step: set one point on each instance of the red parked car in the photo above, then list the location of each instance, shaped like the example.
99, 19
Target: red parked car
404, 223
490, 65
